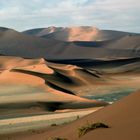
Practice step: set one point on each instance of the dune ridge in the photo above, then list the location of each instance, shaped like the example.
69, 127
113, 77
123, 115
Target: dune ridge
56, 81
122, 117
36, 83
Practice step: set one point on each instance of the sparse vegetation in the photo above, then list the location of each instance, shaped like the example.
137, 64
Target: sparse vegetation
54, 124
77, 117
90, 126
57, 138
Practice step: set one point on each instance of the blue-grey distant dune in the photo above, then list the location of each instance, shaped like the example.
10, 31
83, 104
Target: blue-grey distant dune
121, 46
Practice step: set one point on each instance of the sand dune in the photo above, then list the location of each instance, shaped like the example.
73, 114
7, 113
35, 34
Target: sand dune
123, 117
70, 79
36, 83
52, 86
27, 46
99, 64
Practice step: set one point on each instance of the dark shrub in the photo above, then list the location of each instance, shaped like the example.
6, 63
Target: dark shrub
90, 126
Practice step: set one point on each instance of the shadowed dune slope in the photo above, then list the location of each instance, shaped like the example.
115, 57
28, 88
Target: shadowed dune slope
37, 83
59, 83
105, 66
123, 117
18, 44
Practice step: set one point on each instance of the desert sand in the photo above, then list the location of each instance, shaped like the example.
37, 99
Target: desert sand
40, 121
123, 118
52, 75
32, 83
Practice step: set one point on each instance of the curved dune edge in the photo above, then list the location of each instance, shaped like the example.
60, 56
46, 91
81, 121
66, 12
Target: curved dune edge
28, 83
123, 117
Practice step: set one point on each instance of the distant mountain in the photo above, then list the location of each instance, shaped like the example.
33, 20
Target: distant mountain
120, 46
3, 29
17, 44
82, 33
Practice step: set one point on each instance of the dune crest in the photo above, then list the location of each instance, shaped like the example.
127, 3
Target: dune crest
38, 83
122, 117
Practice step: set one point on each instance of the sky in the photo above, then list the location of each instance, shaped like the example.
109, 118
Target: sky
104, 14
